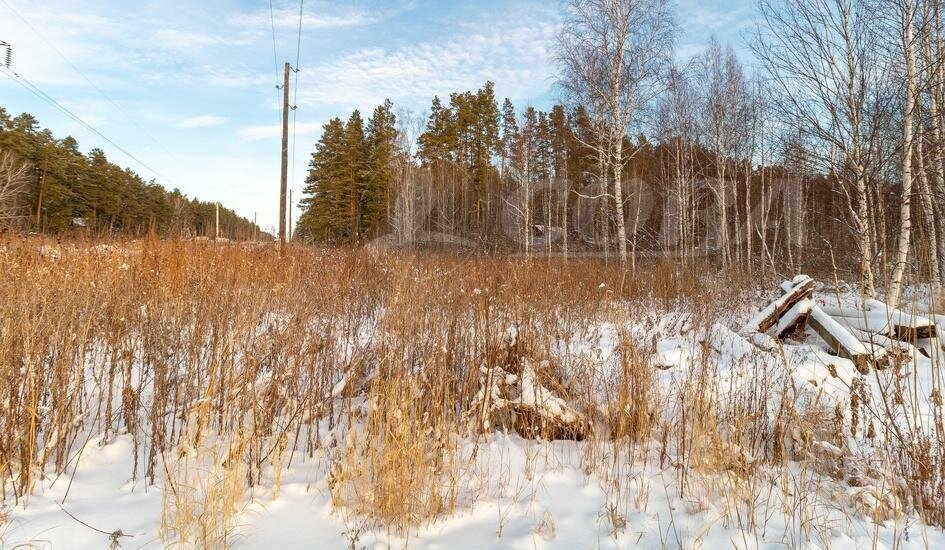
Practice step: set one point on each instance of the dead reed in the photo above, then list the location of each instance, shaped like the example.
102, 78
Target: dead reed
224, 364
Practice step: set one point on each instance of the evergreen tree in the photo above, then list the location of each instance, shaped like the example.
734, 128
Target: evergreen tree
382, 144
323, 197
353, 185
486, 143
438, 140
509, 134
66, 186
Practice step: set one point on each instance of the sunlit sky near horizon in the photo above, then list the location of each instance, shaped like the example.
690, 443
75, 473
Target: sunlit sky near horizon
189, 87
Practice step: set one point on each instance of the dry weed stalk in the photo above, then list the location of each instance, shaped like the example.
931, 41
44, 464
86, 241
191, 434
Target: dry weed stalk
212, 362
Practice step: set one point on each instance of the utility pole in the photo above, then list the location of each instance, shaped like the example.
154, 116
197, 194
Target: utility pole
289, 230
42, 184
255, 229
285, 157
217, 238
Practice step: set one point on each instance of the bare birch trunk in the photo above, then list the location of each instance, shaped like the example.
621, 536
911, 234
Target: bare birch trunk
618, 200
928, 217
905, 206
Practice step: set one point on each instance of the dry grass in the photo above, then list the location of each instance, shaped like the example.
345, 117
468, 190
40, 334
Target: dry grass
226, 363
203, 490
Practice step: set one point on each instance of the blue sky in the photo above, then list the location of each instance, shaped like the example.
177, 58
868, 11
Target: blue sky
189, 87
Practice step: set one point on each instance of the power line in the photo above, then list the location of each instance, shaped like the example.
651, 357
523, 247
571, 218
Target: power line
295, 93
35, 90
298, 45
87, 79
275, 54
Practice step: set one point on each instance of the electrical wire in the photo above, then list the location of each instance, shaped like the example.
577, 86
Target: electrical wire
35, 90
87, 79
275, 56
295, 95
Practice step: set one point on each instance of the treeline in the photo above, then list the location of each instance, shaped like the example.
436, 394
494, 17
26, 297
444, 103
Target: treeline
61, 189
475, 173
827, 154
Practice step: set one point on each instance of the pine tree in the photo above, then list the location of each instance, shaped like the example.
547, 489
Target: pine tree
509, 135
382, 143
486, 142
353, 185
323, 200
65, 185
438, 140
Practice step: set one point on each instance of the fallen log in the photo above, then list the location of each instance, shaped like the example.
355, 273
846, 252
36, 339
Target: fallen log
895, 349
798, 289
844, 343
880, 318
794, 321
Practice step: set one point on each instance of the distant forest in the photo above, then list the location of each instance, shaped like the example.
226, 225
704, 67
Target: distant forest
826, 150
61, 189
473, 171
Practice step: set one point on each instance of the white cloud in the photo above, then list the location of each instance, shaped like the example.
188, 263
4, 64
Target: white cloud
202, 121
321, 15
184, 41
232, 78
513, 54
256, 133
44, 36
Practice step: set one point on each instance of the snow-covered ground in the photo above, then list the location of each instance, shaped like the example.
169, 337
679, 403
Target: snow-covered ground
523, 493
543, 499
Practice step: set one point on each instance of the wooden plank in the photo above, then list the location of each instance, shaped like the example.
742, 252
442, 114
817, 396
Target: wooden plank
801, 288
841, 341
879, 318
905, 326
794, 321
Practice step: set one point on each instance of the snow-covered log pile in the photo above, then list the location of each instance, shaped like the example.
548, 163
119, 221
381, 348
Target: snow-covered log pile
792, 306
870, 336
519, 396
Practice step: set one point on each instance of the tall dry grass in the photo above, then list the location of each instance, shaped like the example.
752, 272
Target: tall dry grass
226, 364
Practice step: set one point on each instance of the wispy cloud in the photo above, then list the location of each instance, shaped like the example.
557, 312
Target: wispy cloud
270, 131
202, 121
185, 41
322, 15
514, 54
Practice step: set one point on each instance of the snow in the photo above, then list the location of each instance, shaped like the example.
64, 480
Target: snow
525, 493
836, 330
876, 318
541, 498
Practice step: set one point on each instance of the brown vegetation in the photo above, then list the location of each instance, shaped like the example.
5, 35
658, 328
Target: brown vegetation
224, 369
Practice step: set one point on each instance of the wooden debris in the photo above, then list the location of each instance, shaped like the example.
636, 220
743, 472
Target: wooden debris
864, 336
794, 291
524, 402
794, 321
843, 343
880, 318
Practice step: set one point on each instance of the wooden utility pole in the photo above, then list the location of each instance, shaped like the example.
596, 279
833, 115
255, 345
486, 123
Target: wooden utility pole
285, 156
289, 230
42, 184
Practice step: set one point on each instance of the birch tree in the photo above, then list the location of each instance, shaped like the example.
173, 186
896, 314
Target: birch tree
821, 55
13, 181
931, 170
725, 124
905, 10
612, 54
